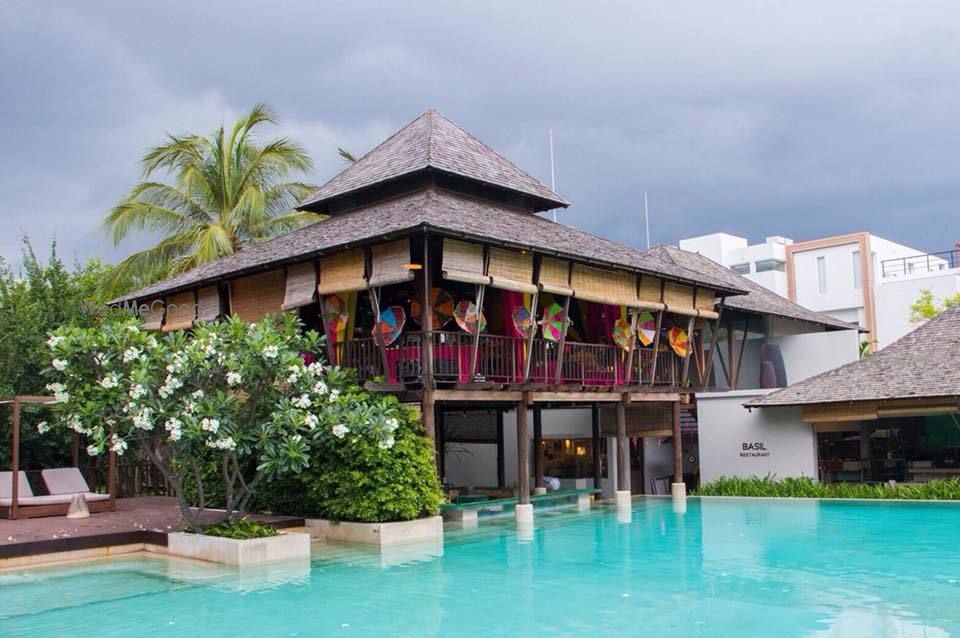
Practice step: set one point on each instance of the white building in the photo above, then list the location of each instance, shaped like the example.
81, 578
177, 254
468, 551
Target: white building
859, 278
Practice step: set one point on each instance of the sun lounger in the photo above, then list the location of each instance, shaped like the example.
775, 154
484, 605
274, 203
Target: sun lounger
53, 504
67, 481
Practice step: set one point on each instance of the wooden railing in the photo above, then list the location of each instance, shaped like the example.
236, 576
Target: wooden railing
503, 360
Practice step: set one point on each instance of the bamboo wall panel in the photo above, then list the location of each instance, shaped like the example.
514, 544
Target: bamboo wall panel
251, 298
301, 286
208, 304
463, 262
511, 270
650, 293
679, 299
390, 264
153, 317
555, 277
181, 311
706, 303
343, 272
649, 419
613, 287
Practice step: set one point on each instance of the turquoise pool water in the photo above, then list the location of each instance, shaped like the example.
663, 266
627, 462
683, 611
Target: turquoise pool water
724, 568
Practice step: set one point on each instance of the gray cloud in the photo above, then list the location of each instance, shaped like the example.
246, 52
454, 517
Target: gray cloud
800, 119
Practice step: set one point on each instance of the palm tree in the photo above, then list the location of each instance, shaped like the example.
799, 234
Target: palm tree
228, 190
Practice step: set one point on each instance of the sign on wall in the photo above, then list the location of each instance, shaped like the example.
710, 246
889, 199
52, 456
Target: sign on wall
754, 449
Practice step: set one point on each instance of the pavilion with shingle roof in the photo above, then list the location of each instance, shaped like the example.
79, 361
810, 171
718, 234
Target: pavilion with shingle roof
436, 280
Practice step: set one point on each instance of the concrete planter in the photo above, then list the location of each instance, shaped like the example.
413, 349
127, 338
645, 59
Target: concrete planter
229, 551
378, 534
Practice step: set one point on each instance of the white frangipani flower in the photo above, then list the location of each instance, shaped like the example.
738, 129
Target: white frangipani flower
59, 364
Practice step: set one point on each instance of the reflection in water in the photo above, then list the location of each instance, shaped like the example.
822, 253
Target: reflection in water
724, 568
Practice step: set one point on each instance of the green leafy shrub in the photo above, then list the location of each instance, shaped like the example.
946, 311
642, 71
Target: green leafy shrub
364, 482
238, 394
244, 529
945, 490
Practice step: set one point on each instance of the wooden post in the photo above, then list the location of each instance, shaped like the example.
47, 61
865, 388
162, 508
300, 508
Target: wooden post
501, 469
75, 449
677, 445
595, 423
623, 449
684, 377
427, 406
628, 376
377, 337
537, 446
426, 357
441, 430
729, 368
523, 454
656, 349
15, 460
474, 353
743, 345
713, 346
533, 333
563, 338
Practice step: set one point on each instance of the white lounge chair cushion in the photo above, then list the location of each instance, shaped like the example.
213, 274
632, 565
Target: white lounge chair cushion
52, 499
65, 480
6, 485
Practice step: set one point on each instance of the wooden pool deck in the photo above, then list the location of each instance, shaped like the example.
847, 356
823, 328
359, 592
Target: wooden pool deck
138, 520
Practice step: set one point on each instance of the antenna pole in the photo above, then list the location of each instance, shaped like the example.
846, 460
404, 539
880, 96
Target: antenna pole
553, 175
646, 218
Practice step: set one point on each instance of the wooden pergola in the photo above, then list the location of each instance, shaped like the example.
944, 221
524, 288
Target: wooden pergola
15, 509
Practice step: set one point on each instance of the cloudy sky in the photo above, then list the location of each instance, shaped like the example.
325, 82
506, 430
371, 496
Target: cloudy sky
801, 119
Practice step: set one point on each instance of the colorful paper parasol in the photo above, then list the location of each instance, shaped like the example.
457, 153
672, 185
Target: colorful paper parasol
442, 304
390, 324
621, 333
522, 321
335, 315
678, 341
646, 328
466, 315
554, 323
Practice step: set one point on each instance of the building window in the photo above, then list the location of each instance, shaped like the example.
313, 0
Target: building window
741, 269
857, 271
822, 275
771, 264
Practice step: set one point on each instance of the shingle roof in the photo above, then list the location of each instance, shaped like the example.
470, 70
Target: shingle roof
444, 212
433, 142
921, 364
758, 299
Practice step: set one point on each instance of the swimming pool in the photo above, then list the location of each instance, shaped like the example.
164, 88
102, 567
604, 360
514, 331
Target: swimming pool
726, 567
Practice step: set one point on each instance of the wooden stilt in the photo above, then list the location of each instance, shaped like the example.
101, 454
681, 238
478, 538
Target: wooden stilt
677, 445
523, 455
427, 414
743, 345
623, 450
537, 446
474, 352
426, 357
501, 465
533, 333
628, 374
705, 381
595, 423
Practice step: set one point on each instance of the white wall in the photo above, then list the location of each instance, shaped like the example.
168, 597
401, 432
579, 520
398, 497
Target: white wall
840, 293
725, 426
894, 297
805, 355
715, 246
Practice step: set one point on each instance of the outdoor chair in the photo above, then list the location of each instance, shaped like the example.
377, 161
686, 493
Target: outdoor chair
67, 481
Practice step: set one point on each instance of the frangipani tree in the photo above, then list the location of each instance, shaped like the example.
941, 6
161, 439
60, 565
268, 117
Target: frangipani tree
245, 391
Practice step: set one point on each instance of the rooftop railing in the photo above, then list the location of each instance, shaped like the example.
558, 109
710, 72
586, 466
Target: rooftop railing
919, 264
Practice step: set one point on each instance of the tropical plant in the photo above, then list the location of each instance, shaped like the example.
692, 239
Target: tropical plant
806, 487
927, 307
866, 347
44, 295
241, 392
366, 483
240, 530
227, 190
